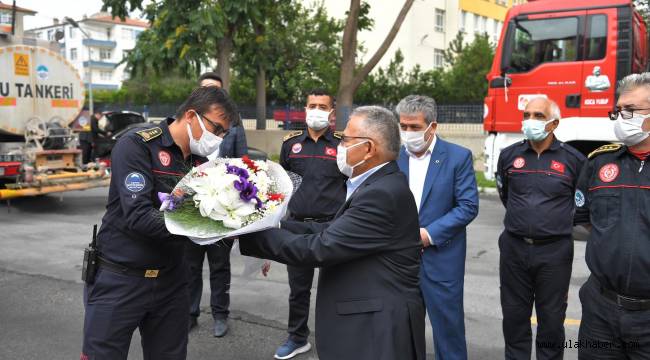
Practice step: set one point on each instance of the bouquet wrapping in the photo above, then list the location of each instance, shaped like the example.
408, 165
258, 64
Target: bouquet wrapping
225, 198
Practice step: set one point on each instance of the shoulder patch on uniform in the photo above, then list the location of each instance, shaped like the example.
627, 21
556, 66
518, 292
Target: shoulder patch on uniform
149, 134
338, 134
604, 149
293, 134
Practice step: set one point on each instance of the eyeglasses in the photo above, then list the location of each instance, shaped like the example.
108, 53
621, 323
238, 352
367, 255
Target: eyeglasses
625, 114
219, 130
345, 138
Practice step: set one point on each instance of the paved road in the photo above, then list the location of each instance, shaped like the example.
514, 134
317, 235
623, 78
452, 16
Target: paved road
41, 310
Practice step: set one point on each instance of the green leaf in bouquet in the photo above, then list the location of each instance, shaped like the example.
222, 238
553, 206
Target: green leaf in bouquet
189, 216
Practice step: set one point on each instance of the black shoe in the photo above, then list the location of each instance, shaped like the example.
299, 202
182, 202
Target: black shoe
220, 327
194, 322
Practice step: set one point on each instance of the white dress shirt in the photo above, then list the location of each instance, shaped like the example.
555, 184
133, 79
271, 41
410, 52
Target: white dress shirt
353, 183
418, 167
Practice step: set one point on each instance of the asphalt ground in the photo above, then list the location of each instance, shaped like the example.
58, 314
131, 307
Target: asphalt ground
41, 308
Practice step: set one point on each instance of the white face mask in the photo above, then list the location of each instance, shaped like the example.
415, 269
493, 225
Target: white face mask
342, 159
318, 119
414, 140
207, 144
535, 130
630, 131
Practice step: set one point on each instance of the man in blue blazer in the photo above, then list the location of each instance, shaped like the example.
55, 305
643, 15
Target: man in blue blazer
441, 177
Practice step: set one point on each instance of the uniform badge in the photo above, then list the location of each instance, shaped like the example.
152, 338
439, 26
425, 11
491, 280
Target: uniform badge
164, 157
608, 172
134, 182
557, 166
330, 151
519, 163
296, 148
579, 198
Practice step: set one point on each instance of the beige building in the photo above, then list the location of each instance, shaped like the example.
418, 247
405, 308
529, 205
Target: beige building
428, 28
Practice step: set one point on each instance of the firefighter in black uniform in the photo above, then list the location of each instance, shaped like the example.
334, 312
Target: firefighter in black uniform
142, 280
536, 179
613, 196
312, 155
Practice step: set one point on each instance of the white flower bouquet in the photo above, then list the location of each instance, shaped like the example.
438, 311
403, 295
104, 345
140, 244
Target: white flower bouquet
227, 198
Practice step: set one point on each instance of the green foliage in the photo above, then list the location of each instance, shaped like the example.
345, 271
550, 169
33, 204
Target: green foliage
144, 91
462, 81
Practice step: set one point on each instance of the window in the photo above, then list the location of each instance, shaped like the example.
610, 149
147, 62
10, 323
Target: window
108, 33
125, 54
104, 54
495, 30
5, 18
545, 40
127, 34
463, 20
483, 24
476, 23
596, 37
50, 35
440, 20
105, 75
73, 53
71, 32
438, 58
502, 2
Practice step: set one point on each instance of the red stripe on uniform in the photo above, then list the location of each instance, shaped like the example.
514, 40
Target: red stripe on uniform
167, 173
540, 171
619, 187
312, 156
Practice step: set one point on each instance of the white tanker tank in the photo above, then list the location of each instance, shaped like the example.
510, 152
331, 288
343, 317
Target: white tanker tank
41, 94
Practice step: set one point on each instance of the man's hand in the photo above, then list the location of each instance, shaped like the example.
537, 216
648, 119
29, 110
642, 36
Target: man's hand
424, 238
266, 267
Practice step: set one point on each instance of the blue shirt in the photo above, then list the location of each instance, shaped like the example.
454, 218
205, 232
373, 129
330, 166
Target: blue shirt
353, 183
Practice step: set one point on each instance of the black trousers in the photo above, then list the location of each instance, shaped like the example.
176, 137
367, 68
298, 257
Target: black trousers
86, 151
608, 331
117, 304
219, 264
539, 275
300, 281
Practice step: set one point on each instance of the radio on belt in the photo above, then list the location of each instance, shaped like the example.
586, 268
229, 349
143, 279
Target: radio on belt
89, 266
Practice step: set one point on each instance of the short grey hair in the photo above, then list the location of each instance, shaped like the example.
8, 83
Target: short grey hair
380, 123
634, 81
414, 104
555, 109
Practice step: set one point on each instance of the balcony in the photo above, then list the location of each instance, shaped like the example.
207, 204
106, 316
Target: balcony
99, 65
100, 43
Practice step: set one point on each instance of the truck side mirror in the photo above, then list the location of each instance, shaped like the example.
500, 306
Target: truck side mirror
506, 52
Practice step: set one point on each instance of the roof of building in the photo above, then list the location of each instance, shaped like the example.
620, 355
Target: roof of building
18, 8
103, 17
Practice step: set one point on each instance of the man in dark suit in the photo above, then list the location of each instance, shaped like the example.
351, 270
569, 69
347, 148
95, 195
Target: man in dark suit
369, 304
441, 177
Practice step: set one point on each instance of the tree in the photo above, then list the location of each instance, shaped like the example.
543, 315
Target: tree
465, 80
352, 76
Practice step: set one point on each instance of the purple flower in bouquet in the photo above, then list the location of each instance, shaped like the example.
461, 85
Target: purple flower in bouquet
247, 191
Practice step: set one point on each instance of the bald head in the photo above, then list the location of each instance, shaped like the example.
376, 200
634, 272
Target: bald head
541, 108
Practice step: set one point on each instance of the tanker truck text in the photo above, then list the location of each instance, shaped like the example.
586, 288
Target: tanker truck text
39, 91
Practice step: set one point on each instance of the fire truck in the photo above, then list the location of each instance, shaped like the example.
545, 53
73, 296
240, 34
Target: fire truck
573, 52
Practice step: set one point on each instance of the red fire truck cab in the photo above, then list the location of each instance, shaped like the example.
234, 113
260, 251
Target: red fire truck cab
573, 52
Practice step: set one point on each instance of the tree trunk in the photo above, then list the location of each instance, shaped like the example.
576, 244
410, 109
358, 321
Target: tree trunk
260, 97
349, 82
224, 50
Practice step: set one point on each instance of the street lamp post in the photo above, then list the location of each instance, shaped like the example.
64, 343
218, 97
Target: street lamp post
90, 71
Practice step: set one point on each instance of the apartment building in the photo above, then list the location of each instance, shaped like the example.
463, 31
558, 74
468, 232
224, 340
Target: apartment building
429, 26
98, 55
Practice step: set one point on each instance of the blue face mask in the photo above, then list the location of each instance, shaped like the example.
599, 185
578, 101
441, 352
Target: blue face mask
534, 130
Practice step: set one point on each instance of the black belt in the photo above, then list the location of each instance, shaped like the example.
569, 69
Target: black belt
318, 220
626, 302
121, 269
540, 241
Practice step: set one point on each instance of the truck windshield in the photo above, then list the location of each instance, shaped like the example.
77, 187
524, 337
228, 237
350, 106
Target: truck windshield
544, 40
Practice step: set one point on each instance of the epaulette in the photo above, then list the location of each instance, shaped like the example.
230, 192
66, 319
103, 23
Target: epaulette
604, 149
338, 134
293, 134
149, 134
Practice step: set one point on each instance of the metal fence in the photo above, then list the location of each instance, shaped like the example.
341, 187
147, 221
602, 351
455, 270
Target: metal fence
447, 113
